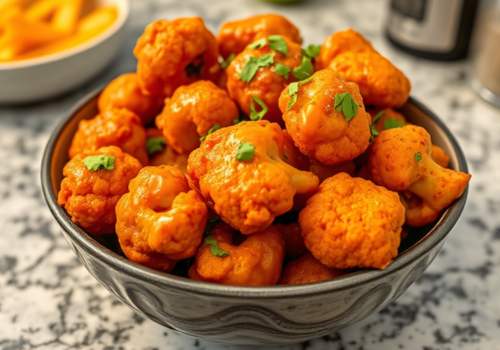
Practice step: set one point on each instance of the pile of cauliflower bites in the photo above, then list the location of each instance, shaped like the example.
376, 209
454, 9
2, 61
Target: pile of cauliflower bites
270, 163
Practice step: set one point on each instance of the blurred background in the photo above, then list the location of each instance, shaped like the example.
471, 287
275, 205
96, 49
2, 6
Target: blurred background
450, 50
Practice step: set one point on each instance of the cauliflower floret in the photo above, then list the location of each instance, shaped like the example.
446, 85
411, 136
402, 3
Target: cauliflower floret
418, 213
351, 222
387, 119
307, 269
320, 130
242, 171
323, 171
265, 82
173, 53
161, 154
234, 36
338, 42
257, 261
192, 111
125, 92
112, 127
400, 159
89, 192
439, 156
160, 220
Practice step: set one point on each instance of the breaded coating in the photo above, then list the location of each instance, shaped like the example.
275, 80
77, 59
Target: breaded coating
305, 270
380, 82
352, 223
160, 220
243, 172
112, 127
256, 261
89, 196
192, 111
162, 154
418, 213
400, 159
317, 128
171, 53
294, 243
338, 42
125, 92
234, 36
267, 83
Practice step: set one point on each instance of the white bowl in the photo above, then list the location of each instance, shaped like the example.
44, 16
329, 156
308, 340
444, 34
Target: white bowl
47, 76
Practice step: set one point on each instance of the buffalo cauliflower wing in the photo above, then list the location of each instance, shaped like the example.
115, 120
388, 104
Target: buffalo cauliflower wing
243, 171
112, 127
160, 220
93, 181
192, 111
256, 261
307, 269
319, 125
171, 53
352, 223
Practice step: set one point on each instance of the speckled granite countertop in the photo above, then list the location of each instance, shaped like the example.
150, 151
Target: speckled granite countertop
48, 300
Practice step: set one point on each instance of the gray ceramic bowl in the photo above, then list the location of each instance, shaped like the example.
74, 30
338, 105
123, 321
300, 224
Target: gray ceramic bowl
250, 315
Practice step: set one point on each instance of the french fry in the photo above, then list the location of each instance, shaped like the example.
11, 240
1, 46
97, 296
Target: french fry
21, 35
42, 10
67, 15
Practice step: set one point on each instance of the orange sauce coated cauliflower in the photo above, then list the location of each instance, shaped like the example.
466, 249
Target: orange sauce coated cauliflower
248, 193
125, 92
418, 213
400, 159
234, 36
171, 53
439, 156
192, 111
387, 118
352, 223
160, 220
256, 261
112, 127
307, 269
162, 154
266, 84
338, 42
320, 131
89, 197
294, 243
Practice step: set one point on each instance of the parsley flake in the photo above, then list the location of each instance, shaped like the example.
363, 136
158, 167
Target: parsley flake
246, 151
253, 64
312, 50
94, 163
227, 61
293, 90
304, 69
214, 247
374, 132
155, 144
418, 156
344, 102
278, 44
282, 70
213, 129
392, 123
377, 117
254, 114
258, 44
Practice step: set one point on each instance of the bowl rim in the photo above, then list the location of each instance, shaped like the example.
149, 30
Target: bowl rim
161, 279
123, 7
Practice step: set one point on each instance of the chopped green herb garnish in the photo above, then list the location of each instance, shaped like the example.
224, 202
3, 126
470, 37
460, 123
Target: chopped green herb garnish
293, 90
374, 132
94, 163
258, 44
252, 66
214, 247
278, 44
312, 50
238, 120
344, 102
377, 117
392, 123
254, 114
418, 156
246, 151
282, 70
214, 128
304, 69
227, 61
155, 144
